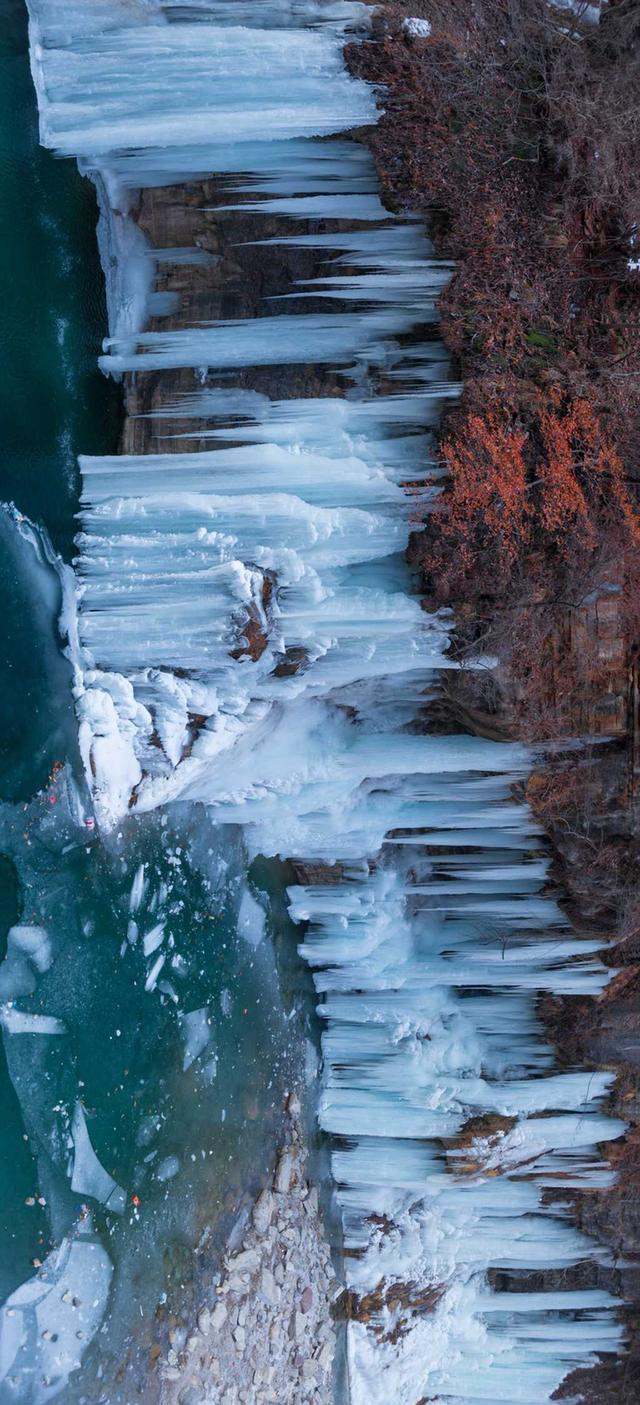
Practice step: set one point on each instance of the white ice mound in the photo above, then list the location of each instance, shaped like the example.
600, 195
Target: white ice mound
416, 28
28, 955
48, 1323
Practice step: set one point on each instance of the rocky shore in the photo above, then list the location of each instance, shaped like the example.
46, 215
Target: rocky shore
264, 1334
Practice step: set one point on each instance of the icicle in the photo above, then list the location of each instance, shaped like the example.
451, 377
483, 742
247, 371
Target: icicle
248, 637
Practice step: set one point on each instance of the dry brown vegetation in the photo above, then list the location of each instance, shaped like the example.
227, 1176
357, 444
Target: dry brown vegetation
516, 128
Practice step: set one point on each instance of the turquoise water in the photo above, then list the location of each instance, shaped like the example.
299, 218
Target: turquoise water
123, 1053
187, 1133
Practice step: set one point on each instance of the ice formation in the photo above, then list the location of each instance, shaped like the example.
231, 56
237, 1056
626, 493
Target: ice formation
248, 636
416, 28
47, 1324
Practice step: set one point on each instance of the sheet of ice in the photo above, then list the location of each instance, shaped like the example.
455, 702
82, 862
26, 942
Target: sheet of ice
154, 972
124, 254
251, 919
153, 939
21, 1022
259, 82
28, 954
167, 1169
49, 1322
195, 1027
137, 888
89, 1176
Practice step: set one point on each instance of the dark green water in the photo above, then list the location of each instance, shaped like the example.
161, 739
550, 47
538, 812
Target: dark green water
53, 400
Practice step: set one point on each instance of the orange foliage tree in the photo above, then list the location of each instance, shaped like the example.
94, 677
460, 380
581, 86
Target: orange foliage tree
550, 488
487, 506
582, 479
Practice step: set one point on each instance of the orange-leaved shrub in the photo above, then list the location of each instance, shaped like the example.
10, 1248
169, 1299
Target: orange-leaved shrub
540, 480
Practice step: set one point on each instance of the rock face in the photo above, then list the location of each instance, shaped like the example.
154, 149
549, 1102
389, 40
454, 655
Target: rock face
263, 1212
233, 280
266, 1336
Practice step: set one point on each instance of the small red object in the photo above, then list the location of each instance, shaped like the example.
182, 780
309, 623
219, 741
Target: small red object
135, 1199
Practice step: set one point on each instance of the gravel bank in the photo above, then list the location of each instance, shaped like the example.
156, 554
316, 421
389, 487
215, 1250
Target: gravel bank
265, 1334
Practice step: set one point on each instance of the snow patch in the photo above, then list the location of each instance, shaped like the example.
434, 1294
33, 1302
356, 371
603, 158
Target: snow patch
416, 28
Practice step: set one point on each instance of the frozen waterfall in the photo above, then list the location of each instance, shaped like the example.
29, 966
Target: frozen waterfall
248, 636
